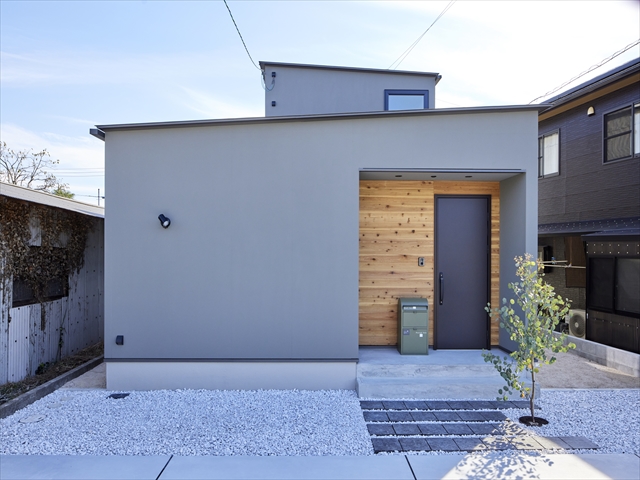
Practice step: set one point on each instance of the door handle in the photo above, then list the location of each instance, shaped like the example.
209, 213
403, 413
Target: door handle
441, 280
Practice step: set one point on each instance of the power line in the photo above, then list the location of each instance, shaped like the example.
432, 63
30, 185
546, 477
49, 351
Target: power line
406, 53
590, 69
242, 39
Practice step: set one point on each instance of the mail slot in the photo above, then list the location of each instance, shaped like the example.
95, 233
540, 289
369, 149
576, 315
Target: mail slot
413, 326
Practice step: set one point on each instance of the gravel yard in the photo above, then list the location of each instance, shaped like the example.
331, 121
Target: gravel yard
270, 422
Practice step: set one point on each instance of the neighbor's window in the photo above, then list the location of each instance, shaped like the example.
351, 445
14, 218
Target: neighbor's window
614, 285
55, 289
622, 133
406, 99
549, 155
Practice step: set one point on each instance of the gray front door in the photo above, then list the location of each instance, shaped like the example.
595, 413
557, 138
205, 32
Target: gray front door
462, 243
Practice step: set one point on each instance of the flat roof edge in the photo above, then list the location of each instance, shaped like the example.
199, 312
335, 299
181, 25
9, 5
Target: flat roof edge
321, 117
354, 69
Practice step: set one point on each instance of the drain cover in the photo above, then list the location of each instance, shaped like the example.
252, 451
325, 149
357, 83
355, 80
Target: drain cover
118, 395
32, 419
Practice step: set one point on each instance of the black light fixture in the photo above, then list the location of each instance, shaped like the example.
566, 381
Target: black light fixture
164, 221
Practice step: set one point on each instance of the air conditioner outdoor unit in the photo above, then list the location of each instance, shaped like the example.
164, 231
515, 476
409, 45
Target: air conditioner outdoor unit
577, 322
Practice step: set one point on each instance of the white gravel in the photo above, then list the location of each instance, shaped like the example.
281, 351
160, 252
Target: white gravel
189, 422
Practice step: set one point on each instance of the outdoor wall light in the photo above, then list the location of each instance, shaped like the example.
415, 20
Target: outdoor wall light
591, 111
164, 221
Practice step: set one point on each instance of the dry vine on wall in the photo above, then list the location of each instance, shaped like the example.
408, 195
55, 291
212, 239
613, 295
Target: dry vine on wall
63, 237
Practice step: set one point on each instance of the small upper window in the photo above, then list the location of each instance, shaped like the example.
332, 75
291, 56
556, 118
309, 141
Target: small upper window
622, 133
406, 99
549, 155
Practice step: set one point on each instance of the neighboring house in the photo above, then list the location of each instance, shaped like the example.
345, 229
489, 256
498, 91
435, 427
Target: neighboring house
589, 204
292, 236
54, 235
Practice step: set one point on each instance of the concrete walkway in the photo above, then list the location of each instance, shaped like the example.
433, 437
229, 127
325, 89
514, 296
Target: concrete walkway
583, 467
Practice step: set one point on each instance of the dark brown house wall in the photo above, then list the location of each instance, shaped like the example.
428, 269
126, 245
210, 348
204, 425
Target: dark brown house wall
586, 188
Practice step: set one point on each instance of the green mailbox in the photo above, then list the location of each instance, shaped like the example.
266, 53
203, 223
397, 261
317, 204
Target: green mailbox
413, 326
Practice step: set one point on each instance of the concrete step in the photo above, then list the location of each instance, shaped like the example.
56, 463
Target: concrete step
429, 381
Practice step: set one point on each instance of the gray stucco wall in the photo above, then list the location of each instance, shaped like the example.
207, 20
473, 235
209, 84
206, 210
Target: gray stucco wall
305, 91
261, 258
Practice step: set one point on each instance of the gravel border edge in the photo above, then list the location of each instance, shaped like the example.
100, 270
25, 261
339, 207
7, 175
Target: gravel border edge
27, 398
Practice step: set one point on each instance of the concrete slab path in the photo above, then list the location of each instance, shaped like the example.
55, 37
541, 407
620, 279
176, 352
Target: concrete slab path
391, 467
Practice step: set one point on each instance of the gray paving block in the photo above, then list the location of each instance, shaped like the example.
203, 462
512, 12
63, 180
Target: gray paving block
375, 416
578, 442
494, 416
382, 467
386, 445
457, 429
447, 416
85, 467
423, 417
459, 405
414, 445
406, 429
524, 404
481, 405
432, 429
471, 416
371, 405
393, 405
415, 405
484, 428
500, 404
512, 428
437, 405
400, 416
444, 444
552, 443
470, 444
525, 442
380, 429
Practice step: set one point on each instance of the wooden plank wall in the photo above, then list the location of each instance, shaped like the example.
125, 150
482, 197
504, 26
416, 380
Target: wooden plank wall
397, 227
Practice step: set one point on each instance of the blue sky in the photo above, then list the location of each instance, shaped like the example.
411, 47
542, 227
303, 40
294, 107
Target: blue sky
66, 66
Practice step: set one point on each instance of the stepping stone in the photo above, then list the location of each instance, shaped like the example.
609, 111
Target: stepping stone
400, 416
512, 428
497, 443
406, 429
375, 417
444, 444
380, 429
523, 404
484, 428
393, 405
500, 404
414, 445
459, 405
386, 445
471, 416
423, 416
578, 442
552, 443
432, 429
457, 429
371, 405
494, 416
526, 443
437, 405
470, 444
448, 416
415, 405
481, 405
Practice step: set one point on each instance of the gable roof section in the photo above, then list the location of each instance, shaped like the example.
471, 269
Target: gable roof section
608, 82
43, 198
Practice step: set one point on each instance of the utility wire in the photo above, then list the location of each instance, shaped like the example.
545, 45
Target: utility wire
590, 69
242, 39
406, 53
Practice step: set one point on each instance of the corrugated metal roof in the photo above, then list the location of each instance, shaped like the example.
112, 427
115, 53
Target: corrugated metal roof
43, 198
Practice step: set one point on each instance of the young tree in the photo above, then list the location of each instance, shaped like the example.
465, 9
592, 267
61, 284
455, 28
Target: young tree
534, 336
27, 169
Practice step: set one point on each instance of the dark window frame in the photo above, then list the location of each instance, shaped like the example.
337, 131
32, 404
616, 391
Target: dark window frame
541, 137
634, 108
424, 93
613, 287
